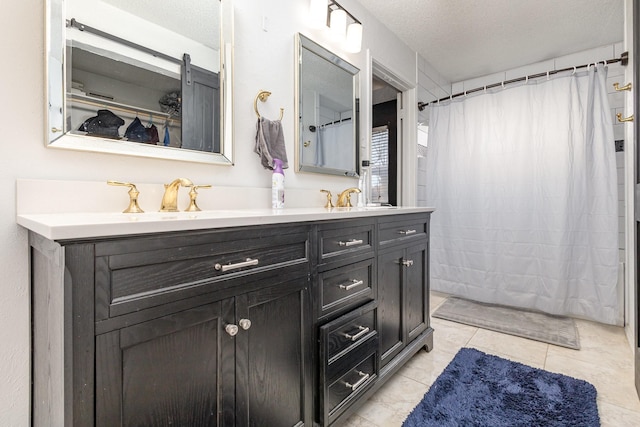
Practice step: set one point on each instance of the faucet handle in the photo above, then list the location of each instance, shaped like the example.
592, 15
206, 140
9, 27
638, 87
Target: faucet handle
133, 196
193, 193
329, 204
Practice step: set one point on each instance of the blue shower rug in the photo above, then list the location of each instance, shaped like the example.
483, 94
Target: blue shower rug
478, 389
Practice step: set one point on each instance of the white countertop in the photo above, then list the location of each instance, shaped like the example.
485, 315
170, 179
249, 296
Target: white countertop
60, 226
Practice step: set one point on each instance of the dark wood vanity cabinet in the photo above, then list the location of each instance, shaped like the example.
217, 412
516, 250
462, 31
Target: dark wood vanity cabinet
271, 325
370, 334
186, 369
190, 329
402, 298
403, 289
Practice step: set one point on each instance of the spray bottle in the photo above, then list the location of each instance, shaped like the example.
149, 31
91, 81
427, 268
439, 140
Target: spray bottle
363, 184
277, 185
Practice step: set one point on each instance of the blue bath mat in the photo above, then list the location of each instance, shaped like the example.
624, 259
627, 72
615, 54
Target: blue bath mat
478, 389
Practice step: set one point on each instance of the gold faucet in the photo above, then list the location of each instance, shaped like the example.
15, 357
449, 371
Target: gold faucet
329, 204
193, 193
170, 198
133, 196
344, 198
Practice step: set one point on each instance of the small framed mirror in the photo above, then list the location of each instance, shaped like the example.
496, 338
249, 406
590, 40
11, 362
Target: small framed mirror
327, 109
148, 78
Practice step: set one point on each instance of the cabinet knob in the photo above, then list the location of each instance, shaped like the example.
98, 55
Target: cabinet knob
245, 324
232, 330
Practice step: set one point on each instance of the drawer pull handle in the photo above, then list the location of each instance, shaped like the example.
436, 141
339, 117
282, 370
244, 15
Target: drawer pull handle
351, 242
228, 267
407, 262
407, 232
354, 283
358, 383
232, 330
363, 331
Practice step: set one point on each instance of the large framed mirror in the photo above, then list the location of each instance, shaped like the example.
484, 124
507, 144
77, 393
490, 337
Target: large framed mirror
327, 108
146, 78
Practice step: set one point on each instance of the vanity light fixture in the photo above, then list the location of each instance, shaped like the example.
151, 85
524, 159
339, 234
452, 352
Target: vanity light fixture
343, 26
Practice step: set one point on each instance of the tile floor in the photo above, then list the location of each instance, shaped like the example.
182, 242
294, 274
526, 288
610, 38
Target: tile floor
605, 360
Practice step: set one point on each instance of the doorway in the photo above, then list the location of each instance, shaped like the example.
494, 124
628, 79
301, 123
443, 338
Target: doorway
385, 144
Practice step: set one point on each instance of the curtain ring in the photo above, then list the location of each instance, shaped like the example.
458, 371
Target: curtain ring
574, 70
465, 93
502, 84
485, 88
526, 79
547, 75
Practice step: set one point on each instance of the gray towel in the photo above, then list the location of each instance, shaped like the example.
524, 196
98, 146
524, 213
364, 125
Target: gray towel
270, 143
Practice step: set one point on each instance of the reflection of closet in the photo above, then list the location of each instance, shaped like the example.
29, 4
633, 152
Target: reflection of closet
83, 107
129, 79
126, 90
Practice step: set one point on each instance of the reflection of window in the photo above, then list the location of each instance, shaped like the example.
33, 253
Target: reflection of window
380, 165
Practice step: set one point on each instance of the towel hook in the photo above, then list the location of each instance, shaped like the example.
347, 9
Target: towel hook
262, 96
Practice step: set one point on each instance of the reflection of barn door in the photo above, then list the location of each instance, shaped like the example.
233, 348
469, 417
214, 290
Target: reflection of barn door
200, 108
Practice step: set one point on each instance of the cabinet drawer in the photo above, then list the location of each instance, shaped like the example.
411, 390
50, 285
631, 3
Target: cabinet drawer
350, 385
144, 272
413, 228
346, 239
348, 332
345, 286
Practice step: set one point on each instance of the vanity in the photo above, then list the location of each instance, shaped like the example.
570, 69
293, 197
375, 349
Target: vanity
259, 317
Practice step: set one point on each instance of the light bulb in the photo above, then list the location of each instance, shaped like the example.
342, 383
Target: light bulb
318, 13
354, 38
338, 24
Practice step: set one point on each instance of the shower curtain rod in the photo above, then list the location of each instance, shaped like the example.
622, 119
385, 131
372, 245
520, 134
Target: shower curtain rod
624, 60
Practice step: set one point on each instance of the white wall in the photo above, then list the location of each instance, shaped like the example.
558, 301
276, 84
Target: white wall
263, 60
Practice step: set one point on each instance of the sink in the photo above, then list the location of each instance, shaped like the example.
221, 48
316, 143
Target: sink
174, 216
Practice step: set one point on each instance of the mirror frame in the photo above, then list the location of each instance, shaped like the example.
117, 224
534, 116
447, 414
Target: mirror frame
303, 42
55, 97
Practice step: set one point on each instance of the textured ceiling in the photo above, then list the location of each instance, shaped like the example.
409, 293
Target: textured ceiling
463, 39
195, 19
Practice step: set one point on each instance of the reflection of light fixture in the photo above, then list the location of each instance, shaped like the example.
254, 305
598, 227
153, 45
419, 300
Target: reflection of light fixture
339, 18
318, 13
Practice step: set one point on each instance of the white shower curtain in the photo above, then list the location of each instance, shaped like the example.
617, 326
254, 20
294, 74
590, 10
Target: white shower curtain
523, 181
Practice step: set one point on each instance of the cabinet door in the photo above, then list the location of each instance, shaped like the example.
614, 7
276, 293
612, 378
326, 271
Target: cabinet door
390, 296
273, 356
416, 295
164, 372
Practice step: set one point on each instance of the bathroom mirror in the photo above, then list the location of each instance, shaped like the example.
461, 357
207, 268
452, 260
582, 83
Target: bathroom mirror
148, 78
327, 109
